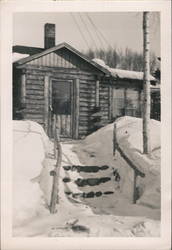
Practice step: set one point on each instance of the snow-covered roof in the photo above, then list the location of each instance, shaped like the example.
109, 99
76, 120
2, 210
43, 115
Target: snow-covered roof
121, 73
18, 56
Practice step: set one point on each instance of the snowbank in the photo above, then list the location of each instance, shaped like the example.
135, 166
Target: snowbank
30, 146
87, 223
97, 149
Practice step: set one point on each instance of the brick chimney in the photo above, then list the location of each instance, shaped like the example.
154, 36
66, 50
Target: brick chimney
49, 35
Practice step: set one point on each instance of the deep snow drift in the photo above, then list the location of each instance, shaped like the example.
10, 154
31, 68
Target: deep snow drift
30, 146
97, 149
32, 183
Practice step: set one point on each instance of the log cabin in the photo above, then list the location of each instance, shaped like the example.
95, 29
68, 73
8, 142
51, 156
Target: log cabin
58, 83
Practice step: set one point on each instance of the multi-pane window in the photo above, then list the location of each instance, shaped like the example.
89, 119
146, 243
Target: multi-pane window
126, 102
61, 98
118, 102
132, 103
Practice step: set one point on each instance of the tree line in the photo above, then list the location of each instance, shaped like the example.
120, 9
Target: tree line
123, 59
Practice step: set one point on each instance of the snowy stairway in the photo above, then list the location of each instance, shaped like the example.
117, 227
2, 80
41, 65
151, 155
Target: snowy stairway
83, 183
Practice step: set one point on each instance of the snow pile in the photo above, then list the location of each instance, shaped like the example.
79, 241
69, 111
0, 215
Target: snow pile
75, 219
121, 73
97, 149
18, 56
30, 147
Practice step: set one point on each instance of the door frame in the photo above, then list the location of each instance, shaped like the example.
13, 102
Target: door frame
74, 106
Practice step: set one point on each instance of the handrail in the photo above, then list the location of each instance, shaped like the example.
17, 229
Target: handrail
137, 172
55, 172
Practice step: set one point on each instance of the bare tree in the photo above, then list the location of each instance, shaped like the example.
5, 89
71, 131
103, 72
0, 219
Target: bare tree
146, 85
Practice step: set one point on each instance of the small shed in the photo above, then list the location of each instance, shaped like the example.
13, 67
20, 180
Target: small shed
58, 83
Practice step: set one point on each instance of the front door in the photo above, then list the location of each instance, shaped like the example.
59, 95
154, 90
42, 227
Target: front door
61, 113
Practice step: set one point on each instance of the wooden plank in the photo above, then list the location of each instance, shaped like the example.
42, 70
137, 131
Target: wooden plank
34, 80
63, 131
34, 101
36, 106
97, 94
35, 92
46, 102
59, 123
83, 104
35, 87
35, 76
54, 192
23, 88
35, 97
50, 116
35, 111
125, 101
76, 110
110, 111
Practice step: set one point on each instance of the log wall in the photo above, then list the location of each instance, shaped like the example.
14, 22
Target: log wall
36, 80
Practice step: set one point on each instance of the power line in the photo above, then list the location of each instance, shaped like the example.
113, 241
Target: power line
101, 34
96, 30
75, 21
83, 21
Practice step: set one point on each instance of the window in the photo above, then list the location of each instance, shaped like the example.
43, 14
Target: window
126, 102
118, 102
61, 98
132, 103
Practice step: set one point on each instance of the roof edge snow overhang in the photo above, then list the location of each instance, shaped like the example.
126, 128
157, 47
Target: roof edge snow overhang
60, 46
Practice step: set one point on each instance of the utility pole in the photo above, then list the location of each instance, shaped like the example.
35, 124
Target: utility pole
146, 85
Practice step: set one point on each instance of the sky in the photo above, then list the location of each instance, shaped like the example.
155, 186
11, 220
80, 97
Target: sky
116, 29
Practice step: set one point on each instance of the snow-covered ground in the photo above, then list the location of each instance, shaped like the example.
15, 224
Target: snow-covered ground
32, 184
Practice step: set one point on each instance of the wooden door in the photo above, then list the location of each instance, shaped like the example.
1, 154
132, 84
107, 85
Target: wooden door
62, 104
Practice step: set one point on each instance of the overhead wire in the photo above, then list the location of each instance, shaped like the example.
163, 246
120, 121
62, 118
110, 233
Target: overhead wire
89, 33
96, 30
80, 31
101, 34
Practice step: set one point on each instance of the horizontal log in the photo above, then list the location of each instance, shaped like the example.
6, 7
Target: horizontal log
89, 104
35, 81
35, 97
84, 123
34, 76
87, 100
61, 75
87, 89
34, 87
89, 82
88, 95
35, 92
87, 109
59, 69
35, 111
84, 118
34, 101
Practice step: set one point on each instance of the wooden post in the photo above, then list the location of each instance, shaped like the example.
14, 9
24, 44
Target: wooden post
110, 102
76, 109
97, 92
139, 103
23, 88
55, 173
46, 102
134, 187
114, 139
146, 85
125, 101
50, 132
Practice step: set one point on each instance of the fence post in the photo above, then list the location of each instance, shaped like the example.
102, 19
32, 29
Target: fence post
114, 139
55, 173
